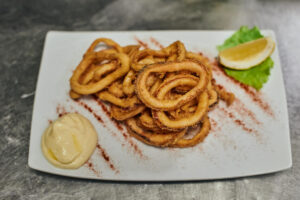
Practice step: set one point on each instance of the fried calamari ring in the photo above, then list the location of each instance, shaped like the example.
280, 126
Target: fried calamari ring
145, 57
104, 69
87, 76
122, 114
172, 58
182, 89
107, 41
103, 82
200, 58
74, 95
159, 60
155, 86
147, 121
150, 81
128, 83
155, 103
131, 50
184, 111
152, 138
122, 102
176, 51
213, 94
164, 122
116, 89
199, 137
213, 97
95, 72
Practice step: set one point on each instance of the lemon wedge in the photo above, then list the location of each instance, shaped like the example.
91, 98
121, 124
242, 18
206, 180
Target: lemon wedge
247, 55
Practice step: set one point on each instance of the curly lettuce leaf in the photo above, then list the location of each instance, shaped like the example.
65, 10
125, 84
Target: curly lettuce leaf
257, 75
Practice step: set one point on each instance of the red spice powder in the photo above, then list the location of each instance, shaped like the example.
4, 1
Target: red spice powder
105, 110
106, 157
143, 44
213, 122
91, 167
237, 121
239, 107
60, 110
124, 135
214, 125
251, 92
242, 124
90, 110
117, 124
133, 145
156, 43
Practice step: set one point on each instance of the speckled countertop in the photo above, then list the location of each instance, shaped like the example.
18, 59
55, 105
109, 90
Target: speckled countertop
23, 26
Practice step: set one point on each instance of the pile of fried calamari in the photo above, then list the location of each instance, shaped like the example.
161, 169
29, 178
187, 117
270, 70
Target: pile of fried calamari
161, 95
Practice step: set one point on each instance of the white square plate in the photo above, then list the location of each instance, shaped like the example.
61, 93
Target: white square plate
247, 138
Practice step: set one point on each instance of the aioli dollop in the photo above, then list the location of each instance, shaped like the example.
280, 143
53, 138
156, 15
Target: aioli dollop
69, 141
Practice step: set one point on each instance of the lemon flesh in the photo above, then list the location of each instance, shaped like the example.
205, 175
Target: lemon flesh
247, 55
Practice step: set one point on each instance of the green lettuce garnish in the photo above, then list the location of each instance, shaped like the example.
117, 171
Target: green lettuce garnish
257, 75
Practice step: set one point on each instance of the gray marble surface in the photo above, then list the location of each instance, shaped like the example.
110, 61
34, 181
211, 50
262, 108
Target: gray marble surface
23, 26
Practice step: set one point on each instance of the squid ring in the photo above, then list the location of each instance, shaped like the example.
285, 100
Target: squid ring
199, 137
140, 58
128, 85
121, 114
122, 102
106, 41
151, 138
104, 82
164, 122
161, 104
116, 89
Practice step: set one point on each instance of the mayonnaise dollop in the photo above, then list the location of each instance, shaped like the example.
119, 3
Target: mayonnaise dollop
69, 141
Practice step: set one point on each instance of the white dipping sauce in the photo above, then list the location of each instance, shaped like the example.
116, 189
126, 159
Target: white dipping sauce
69, 141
